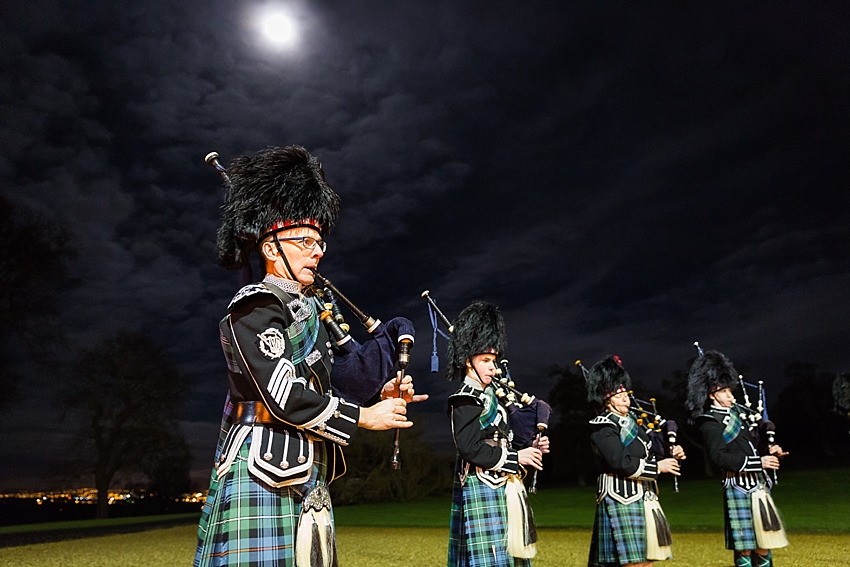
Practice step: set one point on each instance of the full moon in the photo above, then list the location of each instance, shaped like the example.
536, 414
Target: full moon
279, 29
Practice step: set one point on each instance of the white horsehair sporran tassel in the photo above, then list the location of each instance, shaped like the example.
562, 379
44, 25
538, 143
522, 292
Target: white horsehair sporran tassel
658, 538
770, 533
522, 535
315, 541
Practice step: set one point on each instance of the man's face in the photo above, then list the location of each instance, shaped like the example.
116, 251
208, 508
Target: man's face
723, 398
301, 259
485, 367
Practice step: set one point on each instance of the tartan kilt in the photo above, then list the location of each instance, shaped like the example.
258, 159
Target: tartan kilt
478, 535
619, 534
739, 529
246, 522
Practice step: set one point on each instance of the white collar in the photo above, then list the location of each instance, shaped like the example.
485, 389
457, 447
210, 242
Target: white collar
470, 381
289, 286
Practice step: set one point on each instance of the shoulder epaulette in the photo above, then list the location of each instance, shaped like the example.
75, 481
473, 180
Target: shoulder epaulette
707, 416
467, 393
603, 420
247, 291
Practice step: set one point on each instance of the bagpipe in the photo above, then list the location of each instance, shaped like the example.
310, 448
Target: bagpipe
334, 321
360, 369
758, 422
661, 432
528, 414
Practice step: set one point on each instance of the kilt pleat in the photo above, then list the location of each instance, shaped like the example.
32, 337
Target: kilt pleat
478, 526
739, 529
619, 534
249, 523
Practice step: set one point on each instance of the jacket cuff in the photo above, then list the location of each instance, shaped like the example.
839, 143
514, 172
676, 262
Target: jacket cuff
508, 462
648, 470
337, 422
752, 464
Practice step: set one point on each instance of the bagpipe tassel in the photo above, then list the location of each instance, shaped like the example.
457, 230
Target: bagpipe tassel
522, 534
658, 537
315, 540
770, 533
432, 315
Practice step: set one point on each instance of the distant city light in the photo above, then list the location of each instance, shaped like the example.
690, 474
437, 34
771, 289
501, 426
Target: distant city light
89, 496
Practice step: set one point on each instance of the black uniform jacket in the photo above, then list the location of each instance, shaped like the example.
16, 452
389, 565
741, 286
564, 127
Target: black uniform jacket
738, 458
625, 469
278, 353
486, 447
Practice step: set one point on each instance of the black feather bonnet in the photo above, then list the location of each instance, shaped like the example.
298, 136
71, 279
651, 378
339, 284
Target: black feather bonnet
606, 378
710, 372
479, 329
275, 189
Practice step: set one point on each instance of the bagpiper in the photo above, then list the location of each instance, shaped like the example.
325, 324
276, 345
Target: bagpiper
491, 522
630, 527
752, 523
283, 424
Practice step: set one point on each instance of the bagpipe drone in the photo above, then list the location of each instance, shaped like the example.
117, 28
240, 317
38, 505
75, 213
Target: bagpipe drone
528, 414
360, 369
661, 432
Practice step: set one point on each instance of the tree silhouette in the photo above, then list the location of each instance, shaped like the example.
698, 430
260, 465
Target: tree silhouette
571, 457
168, 469
370, 478
805, 423
124, 397
33, 257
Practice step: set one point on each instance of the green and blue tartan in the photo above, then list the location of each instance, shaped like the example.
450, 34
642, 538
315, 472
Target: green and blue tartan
488, 415
302, 335
248, 523
733, 426
629, 431
619, 534
739, 528
478, 527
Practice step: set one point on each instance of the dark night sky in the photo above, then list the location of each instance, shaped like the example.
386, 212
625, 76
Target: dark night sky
618, 178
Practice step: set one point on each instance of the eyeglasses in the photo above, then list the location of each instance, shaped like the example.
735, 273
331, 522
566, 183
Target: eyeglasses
307, 243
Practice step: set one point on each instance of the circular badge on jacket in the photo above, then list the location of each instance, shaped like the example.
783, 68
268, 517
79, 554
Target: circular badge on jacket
272, 343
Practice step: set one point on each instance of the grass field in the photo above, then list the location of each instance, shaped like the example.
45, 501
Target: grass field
810, 501
816, 507
394, 547
95, 524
